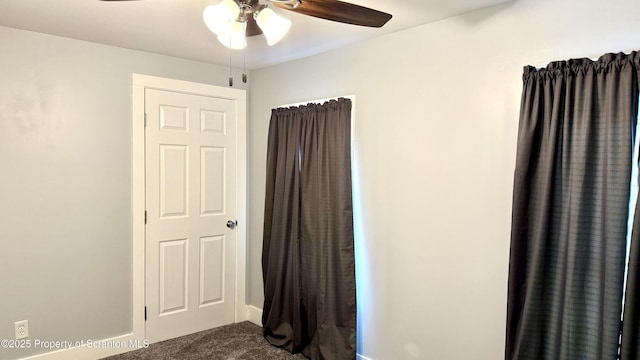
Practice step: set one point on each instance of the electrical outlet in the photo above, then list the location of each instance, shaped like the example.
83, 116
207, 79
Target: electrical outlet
22, 329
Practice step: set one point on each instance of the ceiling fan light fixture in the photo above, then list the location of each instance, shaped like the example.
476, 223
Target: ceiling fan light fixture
274, 26
220, 18
236, 38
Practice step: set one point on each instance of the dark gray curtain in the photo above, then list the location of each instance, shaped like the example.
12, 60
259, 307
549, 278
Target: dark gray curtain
570, 209
308, 258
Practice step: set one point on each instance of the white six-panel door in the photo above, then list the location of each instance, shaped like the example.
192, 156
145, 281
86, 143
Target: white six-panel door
190, 196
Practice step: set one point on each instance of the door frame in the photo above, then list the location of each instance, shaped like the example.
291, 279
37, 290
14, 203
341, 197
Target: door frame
139, 84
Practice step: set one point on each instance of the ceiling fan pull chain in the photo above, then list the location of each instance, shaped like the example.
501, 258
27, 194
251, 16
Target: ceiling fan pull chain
230, 72
244, 67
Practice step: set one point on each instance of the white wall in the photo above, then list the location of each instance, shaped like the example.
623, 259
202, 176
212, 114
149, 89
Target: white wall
65, 152
435, 139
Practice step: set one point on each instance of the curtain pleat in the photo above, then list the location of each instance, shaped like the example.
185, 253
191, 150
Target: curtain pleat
310, 304
281, 254
570, 209
630, 346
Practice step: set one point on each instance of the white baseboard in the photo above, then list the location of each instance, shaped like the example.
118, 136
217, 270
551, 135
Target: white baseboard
97, 349
121, 344
92, 349
254, 315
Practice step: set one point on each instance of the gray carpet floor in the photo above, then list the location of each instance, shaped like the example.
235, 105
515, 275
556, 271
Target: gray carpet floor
242, 341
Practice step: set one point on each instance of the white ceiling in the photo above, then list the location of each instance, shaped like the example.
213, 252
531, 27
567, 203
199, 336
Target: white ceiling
175, 27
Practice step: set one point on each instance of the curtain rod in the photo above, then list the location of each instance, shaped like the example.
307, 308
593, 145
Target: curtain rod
318, 101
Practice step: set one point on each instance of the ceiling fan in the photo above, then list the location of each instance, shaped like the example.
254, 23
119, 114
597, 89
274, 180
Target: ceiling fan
234, 20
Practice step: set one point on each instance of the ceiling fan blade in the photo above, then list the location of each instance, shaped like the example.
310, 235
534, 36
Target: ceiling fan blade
339, 11
252, 27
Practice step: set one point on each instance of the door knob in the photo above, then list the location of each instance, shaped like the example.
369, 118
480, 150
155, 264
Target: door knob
231, 224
